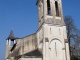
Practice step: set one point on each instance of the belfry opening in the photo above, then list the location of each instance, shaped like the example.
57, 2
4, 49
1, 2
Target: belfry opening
56, 8
48, 7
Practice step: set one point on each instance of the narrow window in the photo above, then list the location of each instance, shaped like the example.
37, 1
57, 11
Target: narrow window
55, 49
59, 31
57, 8
48, 7
50, 30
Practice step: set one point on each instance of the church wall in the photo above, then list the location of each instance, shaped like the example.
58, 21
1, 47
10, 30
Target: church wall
67, 51
8, 50
58, 32
40, 37
27, 44
65, 32
30, 43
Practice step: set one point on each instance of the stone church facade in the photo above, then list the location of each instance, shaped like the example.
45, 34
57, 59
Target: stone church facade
49, 42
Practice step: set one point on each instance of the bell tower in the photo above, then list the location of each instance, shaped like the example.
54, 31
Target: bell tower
10, 41
52, 30
50, 12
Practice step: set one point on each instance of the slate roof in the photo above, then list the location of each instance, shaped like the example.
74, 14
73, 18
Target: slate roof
35, 52
11, 35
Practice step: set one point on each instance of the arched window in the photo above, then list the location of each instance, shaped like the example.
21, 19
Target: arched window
57, 8
48, 7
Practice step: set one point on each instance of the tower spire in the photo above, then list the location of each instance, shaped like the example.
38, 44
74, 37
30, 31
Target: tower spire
11, 35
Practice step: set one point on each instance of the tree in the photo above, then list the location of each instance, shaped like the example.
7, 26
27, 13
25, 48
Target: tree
77, 45
73, 36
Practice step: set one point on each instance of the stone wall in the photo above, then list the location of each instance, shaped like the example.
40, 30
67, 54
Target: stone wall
25, 45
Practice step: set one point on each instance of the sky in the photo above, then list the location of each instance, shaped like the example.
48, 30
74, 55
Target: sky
21, 16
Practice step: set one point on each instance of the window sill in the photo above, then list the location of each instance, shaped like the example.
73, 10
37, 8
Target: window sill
58, 17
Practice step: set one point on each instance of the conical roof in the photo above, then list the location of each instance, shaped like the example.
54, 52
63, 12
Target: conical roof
11, 35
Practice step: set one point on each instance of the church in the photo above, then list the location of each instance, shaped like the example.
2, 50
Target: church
49, 42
